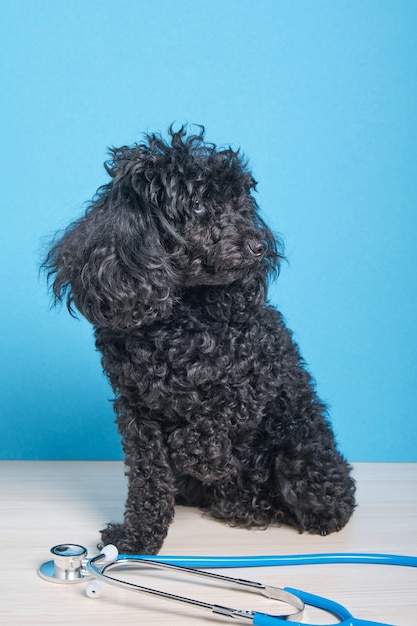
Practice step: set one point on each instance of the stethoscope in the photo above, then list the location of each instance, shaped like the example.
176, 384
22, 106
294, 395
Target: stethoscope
71, 564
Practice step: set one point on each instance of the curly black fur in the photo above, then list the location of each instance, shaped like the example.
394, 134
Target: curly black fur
215, 407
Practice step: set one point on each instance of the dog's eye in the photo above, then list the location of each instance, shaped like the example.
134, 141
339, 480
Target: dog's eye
198, 208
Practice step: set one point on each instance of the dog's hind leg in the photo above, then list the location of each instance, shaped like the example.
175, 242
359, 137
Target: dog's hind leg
317, 491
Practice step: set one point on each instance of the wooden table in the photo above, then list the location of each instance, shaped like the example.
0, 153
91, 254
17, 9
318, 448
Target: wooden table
44, 503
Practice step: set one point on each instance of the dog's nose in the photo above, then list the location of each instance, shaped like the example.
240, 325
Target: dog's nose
257, 248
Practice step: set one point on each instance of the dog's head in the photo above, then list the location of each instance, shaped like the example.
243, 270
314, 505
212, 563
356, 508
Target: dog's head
175, 215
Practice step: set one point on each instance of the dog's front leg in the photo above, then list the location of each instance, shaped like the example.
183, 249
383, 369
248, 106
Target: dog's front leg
151, 496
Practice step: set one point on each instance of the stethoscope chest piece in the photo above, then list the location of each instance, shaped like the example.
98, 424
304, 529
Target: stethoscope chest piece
68, 564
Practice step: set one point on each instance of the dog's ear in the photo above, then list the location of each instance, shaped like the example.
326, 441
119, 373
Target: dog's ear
112, 264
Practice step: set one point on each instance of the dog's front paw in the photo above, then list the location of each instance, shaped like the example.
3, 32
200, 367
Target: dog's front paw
125, 541
114, 534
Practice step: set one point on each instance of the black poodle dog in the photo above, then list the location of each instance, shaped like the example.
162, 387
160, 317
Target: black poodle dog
214, 404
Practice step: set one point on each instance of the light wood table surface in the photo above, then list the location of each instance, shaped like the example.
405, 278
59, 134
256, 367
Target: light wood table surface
44, 503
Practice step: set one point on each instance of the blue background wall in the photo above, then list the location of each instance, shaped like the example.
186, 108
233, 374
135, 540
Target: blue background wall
321, 96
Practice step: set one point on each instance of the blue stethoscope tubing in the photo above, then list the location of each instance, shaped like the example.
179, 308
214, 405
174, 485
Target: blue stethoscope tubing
341, 612
346, 618
280, 560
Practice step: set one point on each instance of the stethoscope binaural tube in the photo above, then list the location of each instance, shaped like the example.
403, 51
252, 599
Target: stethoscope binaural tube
101, 565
